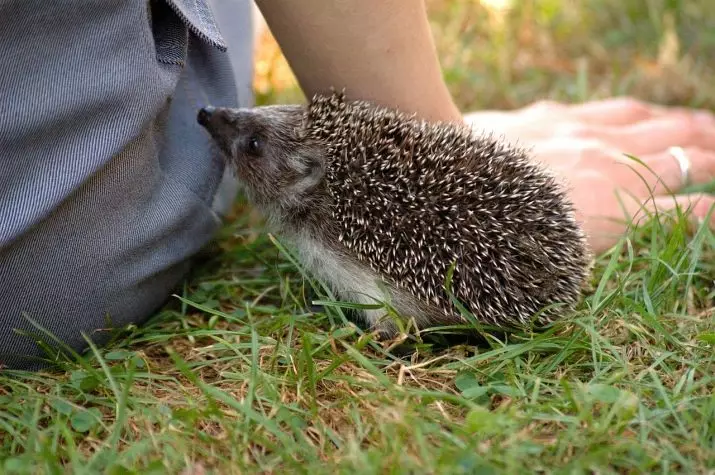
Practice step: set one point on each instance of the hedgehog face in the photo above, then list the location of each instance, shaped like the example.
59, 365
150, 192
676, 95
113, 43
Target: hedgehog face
274, 161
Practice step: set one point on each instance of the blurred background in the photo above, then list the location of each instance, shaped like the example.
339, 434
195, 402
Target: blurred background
507, 53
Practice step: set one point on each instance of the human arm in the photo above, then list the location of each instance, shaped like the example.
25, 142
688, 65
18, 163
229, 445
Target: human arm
378, 50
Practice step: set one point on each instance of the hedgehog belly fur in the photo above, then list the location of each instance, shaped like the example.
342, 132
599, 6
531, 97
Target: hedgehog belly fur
357, 283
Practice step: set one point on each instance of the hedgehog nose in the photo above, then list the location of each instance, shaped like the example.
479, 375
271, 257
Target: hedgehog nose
204, 115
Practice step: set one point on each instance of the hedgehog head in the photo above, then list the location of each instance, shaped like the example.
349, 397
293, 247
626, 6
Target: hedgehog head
279, 167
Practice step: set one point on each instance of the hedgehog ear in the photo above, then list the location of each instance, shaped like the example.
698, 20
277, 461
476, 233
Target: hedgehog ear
300, 132
315, 166
311, 176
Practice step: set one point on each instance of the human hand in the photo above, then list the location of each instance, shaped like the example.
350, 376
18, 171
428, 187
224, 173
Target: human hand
585, 146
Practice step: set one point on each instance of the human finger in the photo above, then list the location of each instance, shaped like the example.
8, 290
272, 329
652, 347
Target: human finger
614, 111
660, 173
696, 207
650, 136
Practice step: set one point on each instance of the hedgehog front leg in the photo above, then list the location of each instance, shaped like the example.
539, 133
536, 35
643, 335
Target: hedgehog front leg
354, 282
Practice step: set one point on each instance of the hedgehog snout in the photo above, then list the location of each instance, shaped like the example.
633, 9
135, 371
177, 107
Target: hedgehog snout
216, 120
204, 115
221, 124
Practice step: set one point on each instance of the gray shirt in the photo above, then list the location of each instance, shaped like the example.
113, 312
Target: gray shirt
107, 183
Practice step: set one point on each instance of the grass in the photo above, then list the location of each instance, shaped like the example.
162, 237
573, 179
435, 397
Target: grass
238, 375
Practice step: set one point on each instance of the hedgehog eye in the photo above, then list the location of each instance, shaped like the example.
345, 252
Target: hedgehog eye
254, 144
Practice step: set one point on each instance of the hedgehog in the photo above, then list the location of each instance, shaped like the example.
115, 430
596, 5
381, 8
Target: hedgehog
408, 217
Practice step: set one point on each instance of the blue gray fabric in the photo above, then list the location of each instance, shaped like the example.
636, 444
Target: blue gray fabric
107, 184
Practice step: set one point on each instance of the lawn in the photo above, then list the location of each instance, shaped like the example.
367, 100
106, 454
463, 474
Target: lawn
240, 374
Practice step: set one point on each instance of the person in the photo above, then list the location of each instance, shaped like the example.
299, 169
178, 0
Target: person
109, 186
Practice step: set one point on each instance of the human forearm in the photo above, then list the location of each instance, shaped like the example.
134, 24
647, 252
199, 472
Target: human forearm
379, 50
